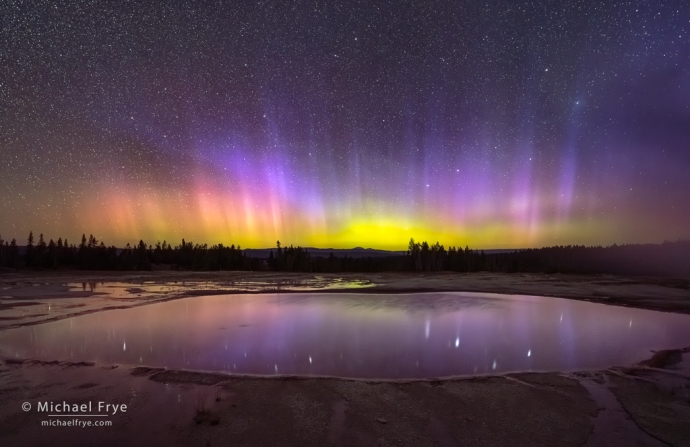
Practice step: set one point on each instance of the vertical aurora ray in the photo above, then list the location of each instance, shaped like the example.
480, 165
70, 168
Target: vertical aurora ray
328, 126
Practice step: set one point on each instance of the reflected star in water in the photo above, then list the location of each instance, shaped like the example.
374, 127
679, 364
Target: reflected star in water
355, 341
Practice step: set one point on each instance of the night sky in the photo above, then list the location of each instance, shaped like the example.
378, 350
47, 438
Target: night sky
496, 124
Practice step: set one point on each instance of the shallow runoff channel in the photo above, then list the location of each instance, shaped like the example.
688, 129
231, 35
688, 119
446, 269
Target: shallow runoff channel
404, 336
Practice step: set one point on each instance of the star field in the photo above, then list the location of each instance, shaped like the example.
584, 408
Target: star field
337, 124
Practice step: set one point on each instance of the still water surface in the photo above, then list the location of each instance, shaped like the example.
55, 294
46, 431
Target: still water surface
358, 335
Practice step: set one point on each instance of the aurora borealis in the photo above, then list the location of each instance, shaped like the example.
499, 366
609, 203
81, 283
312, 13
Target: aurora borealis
496, 124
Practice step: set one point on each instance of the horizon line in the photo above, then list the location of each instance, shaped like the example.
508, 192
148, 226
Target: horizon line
360, 248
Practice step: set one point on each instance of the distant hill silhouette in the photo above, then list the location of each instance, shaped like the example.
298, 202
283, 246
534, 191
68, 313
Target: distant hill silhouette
357, 252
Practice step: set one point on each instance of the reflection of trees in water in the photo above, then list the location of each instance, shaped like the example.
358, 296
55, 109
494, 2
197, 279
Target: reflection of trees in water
91, 285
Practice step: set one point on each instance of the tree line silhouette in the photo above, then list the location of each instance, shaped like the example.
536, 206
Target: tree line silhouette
91, 254
667, 259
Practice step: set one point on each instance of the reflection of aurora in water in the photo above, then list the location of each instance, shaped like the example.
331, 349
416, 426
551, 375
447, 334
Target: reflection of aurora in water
115, 289
351, 335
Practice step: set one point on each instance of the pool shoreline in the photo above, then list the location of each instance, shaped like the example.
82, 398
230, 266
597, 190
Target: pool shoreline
364, 336
202, 377
30, 298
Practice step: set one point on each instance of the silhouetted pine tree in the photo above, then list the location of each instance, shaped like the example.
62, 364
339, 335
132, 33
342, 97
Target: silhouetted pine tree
30, 250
